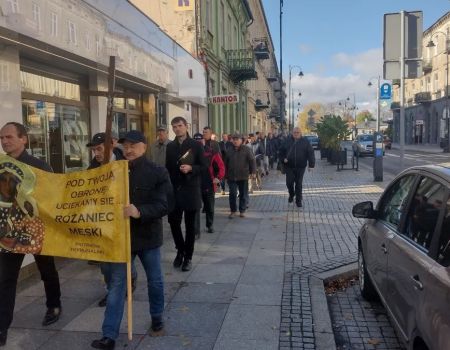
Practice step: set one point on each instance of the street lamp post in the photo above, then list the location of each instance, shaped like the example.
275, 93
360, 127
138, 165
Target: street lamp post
378, 100
431, 44
291, 114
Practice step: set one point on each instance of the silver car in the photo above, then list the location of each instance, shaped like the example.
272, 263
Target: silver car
404, 255
363, 145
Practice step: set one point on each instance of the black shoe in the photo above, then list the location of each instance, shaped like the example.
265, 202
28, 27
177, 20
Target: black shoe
51, 316
104, 343
102, 302
267, 173
291, 199
197, 235
187, 265
157, 324
178, 260
299, 204
3, 337
210, 230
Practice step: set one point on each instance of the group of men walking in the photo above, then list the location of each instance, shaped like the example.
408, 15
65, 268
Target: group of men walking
183, 176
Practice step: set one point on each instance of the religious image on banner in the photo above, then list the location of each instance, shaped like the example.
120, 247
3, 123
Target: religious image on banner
74, 215
21, 229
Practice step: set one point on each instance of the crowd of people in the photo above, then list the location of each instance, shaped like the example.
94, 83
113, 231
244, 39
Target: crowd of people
181, 177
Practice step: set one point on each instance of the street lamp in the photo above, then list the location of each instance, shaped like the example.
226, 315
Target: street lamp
378, 100
351, 108
291, 114
431, 44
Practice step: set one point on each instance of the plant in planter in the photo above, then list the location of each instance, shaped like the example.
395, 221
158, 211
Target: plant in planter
332, 130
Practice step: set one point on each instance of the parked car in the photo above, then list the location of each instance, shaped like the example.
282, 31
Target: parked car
363, 145
404, 255
313, 140
387, 142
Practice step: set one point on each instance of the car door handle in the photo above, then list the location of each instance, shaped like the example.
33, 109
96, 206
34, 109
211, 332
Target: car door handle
383, 248
416, 281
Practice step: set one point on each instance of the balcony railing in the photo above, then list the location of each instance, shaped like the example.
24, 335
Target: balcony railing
422, 97
261, 104
241, 64
261, 49
427, 66
271, 75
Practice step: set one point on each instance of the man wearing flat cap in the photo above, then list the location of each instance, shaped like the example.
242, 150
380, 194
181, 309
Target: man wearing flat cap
239, 164
14, 138
149, 187
158, 148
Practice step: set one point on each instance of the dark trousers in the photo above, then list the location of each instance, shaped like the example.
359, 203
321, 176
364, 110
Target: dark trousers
222, 185
184, 245
242, 185
9, 273
294, 180
208, 206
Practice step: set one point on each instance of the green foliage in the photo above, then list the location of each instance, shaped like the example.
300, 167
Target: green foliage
363, 116
332, 130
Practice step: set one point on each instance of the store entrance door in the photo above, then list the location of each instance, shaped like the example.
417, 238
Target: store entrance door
418, 134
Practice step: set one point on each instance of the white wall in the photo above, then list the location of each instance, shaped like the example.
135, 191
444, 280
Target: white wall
10, 92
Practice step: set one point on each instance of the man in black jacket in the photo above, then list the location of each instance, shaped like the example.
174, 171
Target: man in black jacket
14, 138
296, 153
185, 162
149, 189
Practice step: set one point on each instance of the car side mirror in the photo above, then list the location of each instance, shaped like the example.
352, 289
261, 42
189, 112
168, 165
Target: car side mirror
364, 210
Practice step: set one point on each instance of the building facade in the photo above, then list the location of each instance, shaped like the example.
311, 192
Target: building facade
224, 35
426, 98
54, 60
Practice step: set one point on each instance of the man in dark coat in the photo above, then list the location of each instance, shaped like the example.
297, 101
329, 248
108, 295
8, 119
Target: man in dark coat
240, 165
185, 162
149, 187
296, 153
14, 139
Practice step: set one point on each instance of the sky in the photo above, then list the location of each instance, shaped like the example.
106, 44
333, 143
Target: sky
338, 44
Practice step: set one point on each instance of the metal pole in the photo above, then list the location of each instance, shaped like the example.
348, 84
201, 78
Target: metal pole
378, 105
290, 97
402, 88
281, 67
446, 94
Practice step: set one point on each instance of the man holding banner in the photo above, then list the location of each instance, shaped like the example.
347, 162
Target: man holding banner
149, 188
14, 138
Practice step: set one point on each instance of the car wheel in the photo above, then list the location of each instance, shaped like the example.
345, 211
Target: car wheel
366, 286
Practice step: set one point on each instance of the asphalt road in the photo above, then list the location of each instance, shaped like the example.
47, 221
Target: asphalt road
392, 165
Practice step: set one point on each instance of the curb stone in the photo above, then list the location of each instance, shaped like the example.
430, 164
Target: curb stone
323, 330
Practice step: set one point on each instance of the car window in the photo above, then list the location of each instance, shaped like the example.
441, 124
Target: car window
394, 200
424, 212
365, 138
443, 256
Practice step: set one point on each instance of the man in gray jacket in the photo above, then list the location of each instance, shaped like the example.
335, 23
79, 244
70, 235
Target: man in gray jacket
158, 149
240, 164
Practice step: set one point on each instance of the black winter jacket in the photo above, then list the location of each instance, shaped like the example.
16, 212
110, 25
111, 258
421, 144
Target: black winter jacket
240, 163
149, 190
299, 153
186, 187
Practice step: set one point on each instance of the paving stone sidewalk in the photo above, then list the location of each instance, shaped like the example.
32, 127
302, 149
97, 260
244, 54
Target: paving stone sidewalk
248, 289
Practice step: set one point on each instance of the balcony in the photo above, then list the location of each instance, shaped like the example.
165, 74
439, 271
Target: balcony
241, 64
427, 66
274, 112
422, 97
395, 105
261, 49
261, 104
271, 76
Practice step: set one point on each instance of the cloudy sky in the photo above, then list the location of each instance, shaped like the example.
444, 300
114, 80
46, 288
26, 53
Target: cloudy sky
338, 44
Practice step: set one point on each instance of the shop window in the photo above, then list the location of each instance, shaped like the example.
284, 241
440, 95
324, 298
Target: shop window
119, 102
40, 85
58, 134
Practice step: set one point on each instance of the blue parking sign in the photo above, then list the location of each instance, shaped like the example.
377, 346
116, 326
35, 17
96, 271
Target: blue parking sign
385, 91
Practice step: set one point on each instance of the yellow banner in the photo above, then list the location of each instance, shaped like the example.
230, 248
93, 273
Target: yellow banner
76, 215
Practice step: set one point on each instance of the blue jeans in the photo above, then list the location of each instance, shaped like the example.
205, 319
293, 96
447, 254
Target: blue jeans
243, 195
116, 277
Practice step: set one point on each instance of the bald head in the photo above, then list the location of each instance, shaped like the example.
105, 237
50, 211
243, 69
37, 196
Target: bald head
296, 133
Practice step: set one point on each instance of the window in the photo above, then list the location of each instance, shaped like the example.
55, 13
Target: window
208, 16
97, 45
87, 41
53, 24
72, 33
394, 200
222, 24
14, 5
37, 15
443, 256
424, 212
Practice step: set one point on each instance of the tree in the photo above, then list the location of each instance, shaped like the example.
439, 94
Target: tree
363, 116
332, 130
311, 114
